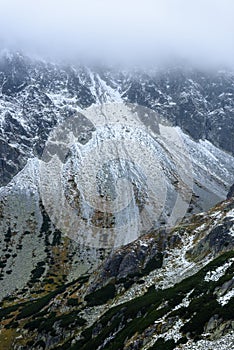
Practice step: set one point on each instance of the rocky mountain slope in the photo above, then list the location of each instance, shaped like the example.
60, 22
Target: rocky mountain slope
29, 238
171, 289
36, 95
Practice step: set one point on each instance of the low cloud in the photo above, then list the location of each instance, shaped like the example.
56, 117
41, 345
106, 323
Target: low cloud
127, 31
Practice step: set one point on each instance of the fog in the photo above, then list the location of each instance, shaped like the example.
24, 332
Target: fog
118, 31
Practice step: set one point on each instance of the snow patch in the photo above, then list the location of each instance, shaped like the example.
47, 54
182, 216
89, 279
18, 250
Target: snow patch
216, 274
223, 300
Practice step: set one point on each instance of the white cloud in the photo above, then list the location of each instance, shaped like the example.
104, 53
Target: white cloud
201, 30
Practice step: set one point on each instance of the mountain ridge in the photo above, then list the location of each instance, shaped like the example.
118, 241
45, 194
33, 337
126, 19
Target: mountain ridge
172, 287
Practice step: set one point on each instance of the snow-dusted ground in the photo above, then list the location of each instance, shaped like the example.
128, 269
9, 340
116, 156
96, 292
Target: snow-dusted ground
224, 343
219, 272
223, 300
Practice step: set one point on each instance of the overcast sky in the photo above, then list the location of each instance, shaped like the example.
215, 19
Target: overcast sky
121, 30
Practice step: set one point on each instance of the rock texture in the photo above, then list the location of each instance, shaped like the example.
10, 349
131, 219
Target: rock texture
36, 95
137, 298
171, 288
230, 192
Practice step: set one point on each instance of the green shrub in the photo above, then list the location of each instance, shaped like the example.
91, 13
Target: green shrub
162, 344
101, 296
196, 325
34, 307
8, 310
72, 302
154, 263
34, 324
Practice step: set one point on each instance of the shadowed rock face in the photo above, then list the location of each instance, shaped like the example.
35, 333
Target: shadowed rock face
201, 103
231, 192
218, 240
28, 110
132, 261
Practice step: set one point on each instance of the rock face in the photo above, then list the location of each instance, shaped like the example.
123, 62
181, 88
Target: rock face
201, 103
217, 240
230, 192
32, 103
36, 95
134, 261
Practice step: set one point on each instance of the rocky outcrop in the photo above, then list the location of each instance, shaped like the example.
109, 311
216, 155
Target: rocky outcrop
215, 239
218, 240
132, 262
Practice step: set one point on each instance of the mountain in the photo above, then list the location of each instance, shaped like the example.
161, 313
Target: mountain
156, 147
170, 289
36, 95
33, 234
